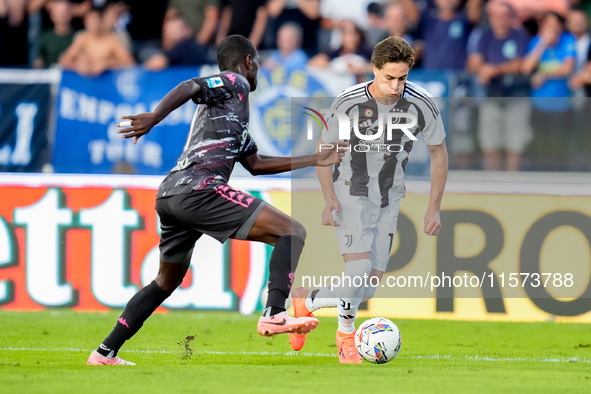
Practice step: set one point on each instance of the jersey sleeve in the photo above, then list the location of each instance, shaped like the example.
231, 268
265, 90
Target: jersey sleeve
249, 148
433, 132
481, 44
217, 89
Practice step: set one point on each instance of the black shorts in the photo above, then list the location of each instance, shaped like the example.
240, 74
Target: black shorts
221, 213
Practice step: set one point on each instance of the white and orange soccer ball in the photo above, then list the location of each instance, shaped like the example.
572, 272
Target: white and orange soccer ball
378, 340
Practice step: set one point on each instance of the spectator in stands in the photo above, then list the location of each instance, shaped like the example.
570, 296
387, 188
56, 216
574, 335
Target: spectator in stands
95, 50
112, 23
353, 55
289, 53
529, 12
304, 13
334, 12
245, 17
180, 47
413, 9
53, 43
396, 22
443, 34
200, 15
504, 115
376, 22
78, 8
582, 79
14, 49
536, 8
577, 25
551, 58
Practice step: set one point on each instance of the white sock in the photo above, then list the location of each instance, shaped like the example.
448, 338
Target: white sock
323, 298
350, 295
369, 292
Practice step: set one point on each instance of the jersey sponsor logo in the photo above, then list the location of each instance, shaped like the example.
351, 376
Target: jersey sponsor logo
214, 82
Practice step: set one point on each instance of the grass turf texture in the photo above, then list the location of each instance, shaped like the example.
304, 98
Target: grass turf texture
211, 352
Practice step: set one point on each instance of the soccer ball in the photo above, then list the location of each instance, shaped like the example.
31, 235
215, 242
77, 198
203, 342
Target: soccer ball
378, 340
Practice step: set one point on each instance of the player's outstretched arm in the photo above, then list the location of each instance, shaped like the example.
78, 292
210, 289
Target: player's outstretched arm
141, 124
438, 179
261, 165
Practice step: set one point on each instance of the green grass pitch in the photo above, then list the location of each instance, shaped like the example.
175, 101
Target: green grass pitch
215, 352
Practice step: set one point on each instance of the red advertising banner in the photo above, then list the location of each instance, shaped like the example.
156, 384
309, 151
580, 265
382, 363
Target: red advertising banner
78, 242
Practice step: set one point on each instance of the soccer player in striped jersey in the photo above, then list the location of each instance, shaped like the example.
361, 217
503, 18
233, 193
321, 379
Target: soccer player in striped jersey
363, 192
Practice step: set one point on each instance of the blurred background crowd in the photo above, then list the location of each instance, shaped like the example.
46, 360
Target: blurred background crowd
528, 62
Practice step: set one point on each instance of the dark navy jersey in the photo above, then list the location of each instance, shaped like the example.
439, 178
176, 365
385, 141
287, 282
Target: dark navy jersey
218, 137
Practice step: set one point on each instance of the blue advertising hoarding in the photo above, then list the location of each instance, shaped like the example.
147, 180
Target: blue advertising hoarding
88, 109
24, 132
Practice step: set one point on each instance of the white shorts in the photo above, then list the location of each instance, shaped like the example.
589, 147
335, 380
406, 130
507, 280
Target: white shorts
365, 227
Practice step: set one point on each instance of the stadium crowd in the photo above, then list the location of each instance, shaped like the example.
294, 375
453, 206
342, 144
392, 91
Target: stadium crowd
512, 49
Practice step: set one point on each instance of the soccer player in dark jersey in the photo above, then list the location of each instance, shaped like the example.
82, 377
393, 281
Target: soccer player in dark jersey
195, 198
363, 192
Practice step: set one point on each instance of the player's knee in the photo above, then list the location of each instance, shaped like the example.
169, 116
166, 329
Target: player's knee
168, 283
298, 229
169, 279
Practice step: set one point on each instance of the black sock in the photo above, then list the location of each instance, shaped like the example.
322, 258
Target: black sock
282, 265
138, 309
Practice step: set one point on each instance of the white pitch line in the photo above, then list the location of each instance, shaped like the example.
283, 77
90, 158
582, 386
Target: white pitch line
305, 354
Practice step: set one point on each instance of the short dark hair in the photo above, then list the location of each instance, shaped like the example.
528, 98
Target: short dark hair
549, 14
232, 50
393, 49
376, 9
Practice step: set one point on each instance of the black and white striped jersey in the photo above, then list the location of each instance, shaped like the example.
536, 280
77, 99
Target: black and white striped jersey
374, 165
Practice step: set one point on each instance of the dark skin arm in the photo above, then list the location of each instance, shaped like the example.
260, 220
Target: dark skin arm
256, 164
141, 124
261, 164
